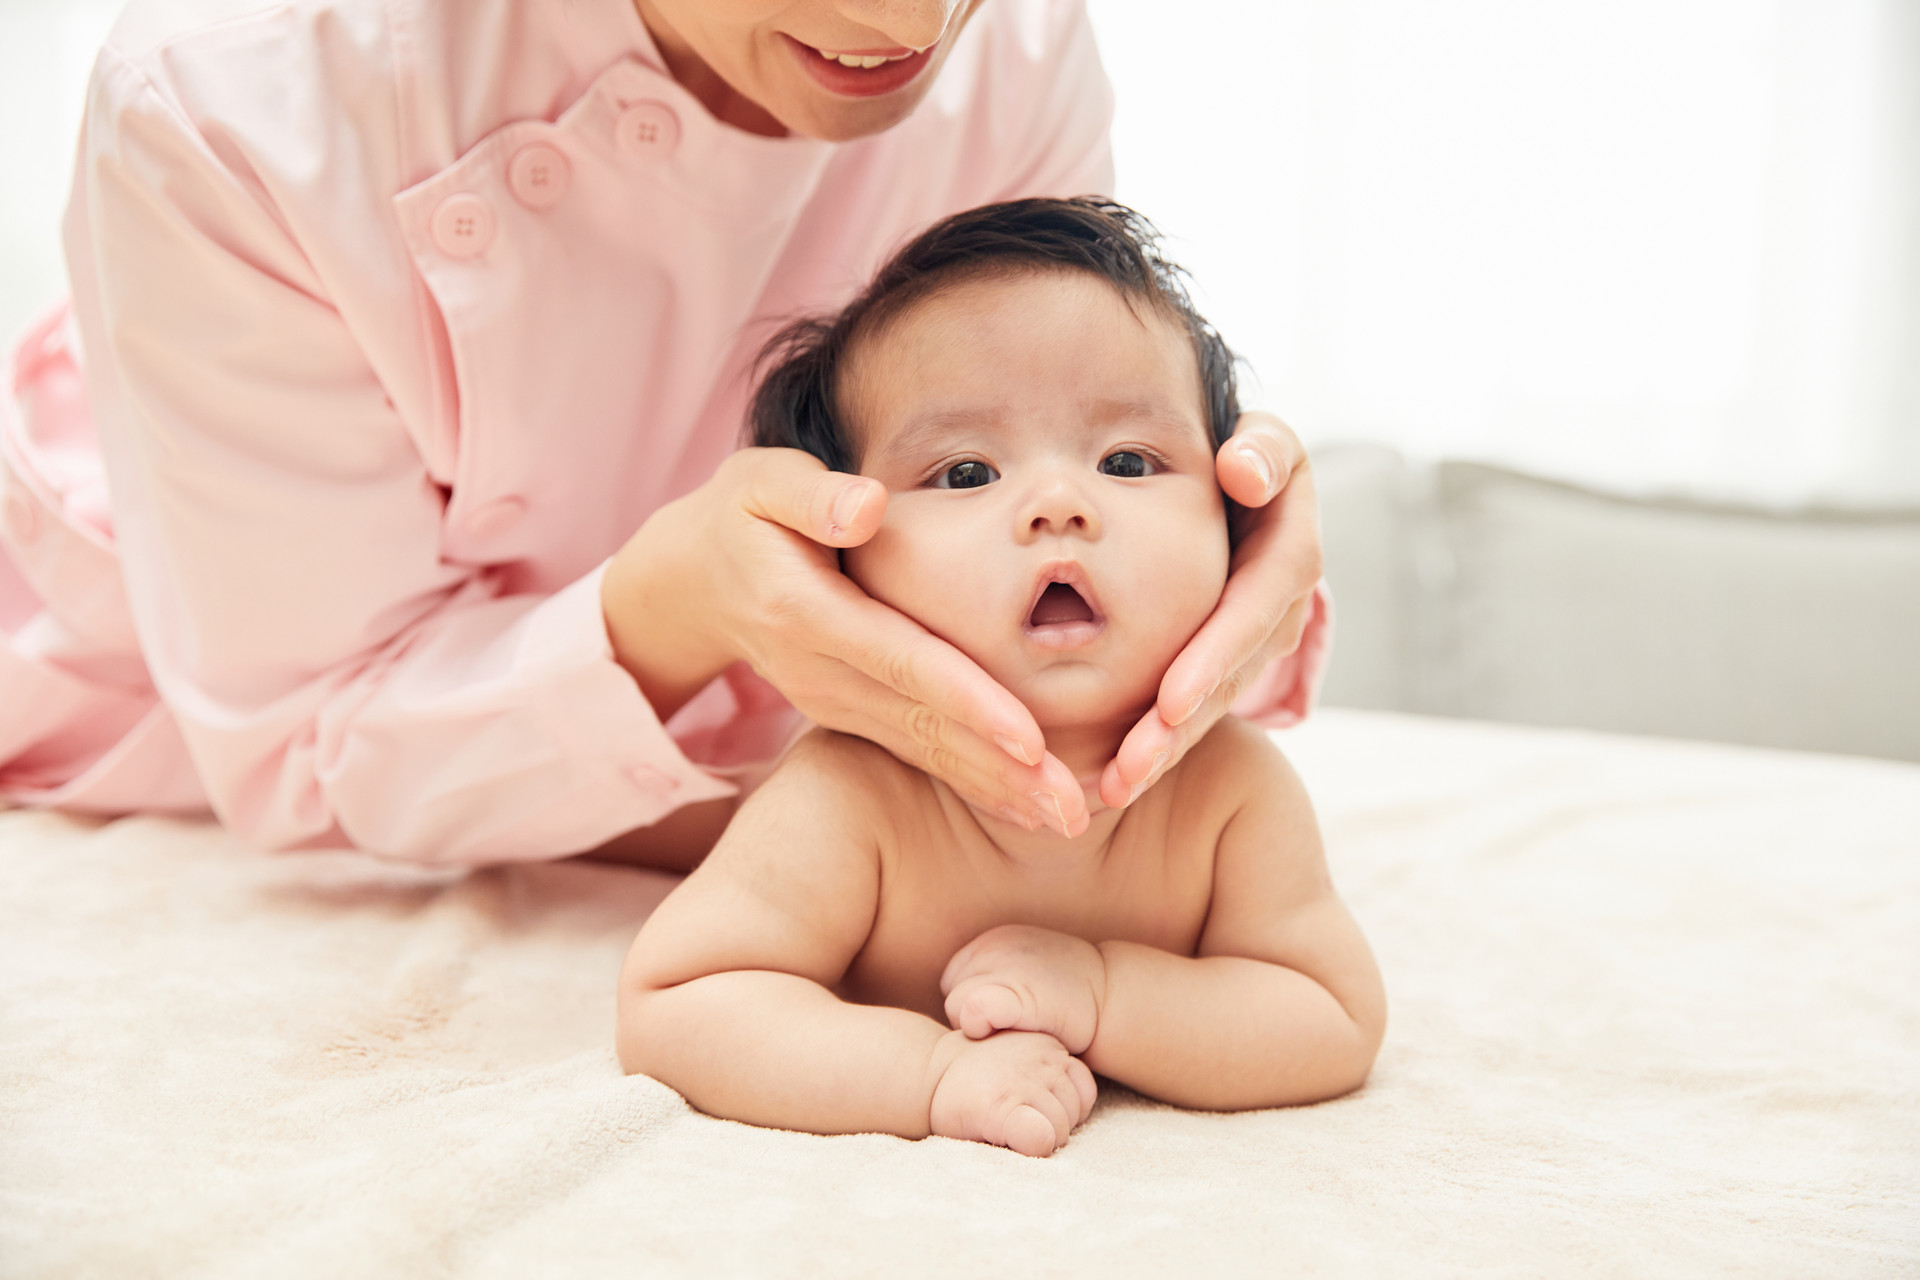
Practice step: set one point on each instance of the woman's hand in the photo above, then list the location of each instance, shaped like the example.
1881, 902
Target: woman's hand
1261, 615
745, 567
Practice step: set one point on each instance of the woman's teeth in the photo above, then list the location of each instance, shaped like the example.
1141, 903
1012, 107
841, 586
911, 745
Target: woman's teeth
866, 60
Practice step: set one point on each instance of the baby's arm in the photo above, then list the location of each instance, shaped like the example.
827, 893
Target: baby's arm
1282, 1004
725, 994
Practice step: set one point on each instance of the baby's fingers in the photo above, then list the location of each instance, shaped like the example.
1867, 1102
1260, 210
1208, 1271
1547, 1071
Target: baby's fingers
1066, 1092
1083, 1086
1029, 1132
979, 1008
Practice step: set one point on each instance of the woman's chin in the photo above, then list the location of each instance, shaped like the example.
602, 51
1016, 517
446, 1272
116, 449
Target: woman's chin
812, 112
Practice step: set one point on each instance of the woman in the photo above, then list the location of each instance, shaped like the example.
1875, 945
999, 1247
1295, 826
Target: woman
416, 341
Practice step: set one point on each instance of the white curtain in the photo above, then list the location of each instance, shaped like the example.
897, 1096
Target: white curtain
46, 51
1646, 244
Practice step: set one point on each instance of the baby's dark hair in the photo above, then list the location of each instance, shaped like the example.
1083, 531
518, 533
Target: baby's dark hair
794, 404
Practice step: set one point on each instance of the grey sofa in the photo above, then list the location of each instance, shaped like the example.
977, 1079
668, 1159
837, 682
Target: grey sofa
1465, 590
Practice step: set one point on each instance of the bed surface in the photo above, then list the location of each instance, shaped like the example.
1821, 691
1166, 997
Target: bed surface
1655, 1013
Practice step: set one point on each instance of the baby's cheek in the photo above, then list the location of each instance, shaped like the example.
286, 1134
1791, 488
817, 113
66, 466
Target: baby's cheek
912, 567
1188, 570
883, 568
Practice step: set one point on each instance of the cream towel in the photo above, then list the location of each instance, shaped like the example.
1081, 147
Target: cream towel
1655, 1013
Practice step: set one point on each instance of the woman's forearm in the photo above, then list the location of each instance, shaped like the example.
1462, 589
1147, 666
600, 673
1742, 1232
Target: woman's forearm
780, 1050
1224, 1032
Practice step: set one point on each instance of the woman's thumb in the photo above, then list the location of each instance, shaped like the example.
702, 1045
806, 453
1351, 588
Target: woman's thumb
831, 507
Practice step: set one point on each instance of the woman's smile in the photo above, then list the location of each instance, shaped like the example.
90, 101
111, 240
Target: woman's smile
863, 73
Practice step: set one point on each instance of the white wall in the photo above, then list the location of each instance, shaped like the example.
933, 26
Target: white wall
1643, 243
46, 50
1648, 244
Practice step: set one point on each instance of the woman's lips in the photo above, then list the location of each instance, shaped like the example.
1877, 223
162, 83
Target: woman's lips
1062, 613
861, 82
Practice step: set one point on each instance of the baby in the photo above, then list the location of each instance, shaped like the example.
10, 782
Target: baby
863, 951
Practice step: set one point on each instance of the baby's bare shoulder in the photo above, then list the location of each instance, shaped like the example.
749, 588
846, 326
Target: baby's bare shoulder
1239, 796
832, 783
1234, 763
821, 797
843, 765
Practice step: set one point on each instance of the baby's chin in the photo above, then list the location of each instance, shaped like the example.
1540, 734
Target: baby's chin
1083, 697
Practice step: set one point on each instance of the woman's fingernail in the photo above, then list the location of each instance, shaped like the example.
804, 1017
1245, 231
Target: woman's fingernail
1015, 748
1261, 467
846, 507
1050, 801
1193, 708
1153, 767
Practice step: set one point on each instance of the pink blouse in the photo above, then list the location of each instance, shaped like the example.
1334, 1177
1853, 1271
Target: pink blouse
399, 316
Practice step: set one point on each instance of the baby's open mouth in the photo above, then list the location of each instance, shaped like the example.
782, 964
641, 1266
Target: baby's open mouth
1059, 603
1064, 613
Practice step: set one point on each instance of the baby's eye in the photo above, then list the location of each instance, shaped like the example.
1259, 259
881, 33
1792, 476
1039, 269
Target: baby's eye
1125, 463
966, 475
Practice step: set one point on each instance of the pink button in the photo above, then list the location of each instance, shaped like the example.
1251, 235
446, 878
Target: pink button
538, 175
496, 517
648, 130
463, 226
23, 522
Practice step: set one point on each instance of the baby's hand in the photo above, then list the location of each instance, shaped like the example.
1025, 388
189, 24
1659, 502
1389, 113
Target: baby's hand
1021, 978
1016, 1090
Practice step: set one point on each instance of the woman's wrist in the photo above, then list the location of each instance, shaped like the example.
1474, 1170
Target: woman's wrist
653, 620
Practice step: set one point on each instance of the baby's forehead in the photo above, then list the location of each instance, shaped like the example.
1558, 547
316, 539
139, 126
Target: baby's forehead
963, 352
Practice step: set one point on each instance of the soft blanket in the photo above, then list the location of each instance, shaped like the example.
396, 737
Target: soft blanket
1655, 1013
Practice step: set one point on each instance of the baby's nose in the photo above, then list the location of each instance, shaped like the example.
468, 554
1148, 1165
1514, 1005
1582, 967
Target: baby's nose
1057, 524
1058, 506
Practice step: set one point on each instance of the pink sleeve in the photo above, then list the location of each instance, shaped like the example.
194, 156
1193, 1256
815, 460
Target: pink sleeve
1284, 693
336, 680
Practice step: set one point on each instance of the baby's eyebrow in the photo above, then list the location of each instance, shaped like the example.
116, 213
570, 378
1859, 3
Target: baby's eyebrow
933, 430
930, 430
1158, 412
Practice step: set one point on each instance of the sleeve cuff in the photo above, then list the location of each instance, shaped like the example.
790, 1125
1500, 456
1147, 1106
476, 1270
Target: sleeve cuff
621, 749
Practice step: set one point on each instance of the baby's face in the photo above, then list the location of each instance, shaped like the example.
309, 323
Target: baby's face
1053, 511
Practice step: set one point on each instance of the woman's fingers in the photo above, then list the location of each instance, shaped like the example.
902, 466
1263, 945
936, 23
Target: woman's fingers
899, 653
853, 664
946, 715
745, 568
934, 707
1153, 746
1150, 748
795, 489
1263, 609
1256, 464
978, 771
1034, 796
1275, 567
